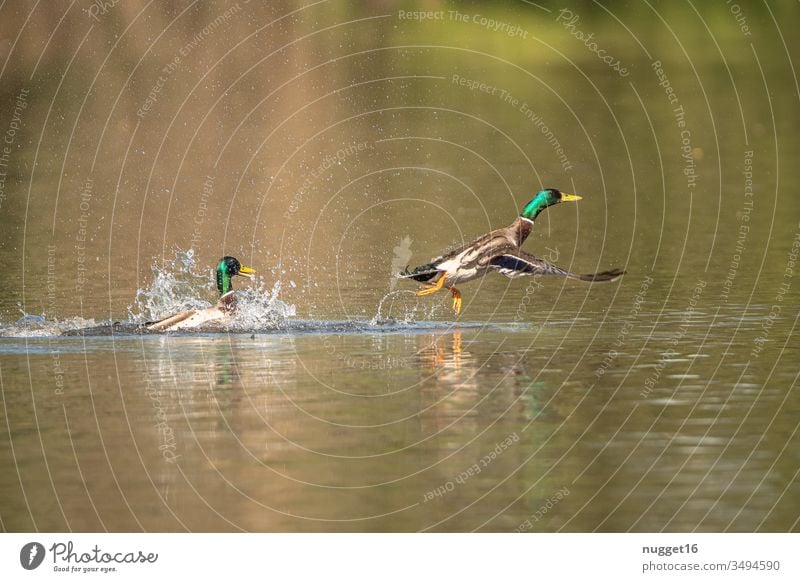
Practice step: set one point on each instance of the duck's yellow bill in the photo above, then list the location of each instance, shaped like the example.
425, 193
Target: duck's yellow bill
570, 197
246, 271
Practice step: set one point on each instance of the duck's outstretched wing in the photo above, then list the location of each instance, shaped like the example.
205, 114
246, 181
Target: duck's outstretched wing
520, 264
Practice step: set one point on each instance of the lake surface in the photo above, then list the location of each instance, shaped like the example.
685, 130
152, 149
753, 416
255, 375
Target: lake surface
330, 146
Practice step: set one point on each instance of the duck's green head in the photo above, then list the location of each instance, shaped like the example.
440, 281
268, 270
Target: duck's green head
545, 198
227, 268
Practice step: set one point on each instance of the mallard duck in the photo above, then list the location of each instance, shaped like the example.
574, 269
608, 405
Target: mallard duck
498, 251
227, 268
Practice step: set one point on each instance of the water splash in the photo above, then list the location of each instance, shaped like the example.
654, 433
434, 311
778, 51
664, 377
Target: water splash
32, 326
380, 319
408, 307
176, 286
259, 309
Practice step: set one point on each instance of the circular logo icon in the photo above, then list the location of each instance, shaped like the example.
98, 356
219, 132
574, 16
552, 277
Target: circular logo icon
31, 555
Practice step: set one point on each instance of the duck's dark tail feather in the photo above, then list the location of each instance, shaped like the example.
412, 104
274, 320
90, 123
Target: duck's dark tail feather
599, 277
422, 273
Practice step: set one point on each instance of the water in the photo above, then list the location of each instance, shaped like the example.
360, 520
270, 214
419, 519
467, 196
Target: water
338, 400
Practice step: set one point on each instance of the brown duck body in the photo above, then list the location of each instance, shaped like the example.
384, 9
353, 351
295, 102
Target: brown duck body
473, 260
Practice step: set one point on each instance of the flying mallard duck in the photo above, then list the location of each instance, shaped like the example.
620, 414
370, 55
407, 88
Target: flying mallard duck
227, 268
498, 251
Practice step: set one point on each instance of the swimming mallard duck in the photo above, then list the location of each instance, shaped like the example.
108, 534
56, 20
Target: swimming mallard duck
498, 251
227, 268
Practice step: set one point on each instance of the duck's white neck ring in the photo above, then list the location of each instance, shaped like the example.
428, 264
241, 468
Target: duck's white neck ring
526, 219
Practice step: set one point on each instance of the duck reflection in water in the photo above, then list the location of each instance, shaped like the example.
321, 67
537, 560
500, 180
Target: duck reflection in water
434, 354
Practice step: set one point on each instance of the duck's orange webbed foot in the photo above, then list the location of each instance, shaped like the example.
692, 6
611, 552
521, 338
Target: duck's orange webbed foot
434, 287
456, 300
